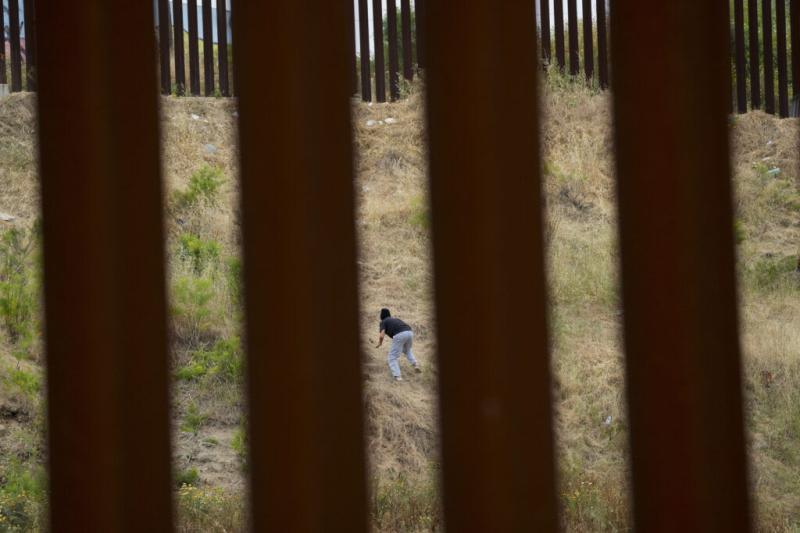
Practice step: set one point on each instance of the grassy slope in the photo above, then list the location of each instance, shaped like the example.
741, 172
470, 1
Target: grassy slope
395, 272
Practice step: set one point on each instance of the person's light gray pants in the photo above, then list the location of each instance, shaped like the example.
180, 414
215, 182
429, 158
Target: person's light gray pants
401, 343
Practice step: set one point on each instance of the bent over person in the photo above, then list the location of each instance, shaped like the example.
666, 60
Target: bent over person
402, 341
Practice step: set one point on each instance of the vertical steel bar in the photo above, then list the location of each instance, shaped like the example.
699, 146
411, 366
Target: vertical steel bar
574, 60
363, 36
3, 74
676, 226
544, 17
497, 442
769, 64
408, 49
15, 46
194, 48
394, 63
558, 15
163, 46
351, 28
755, 64
30, 45
106, 335
180, 57
380, 68
741, 69
422, 30
208, 49
783, 79
794, 29
602, 44
222, 47
588, 40
305, 406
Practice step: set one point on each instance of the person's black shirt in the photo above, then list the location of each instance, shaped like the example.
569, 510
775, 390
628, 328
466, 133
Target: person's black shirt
392, 326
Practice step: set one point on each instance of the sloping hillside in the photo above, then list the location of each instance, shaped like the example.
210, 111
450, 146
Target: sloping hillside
395, 272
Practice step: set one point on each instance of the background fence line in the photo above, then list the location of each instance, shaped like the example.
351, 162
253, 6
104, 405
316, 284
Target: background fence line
765, 47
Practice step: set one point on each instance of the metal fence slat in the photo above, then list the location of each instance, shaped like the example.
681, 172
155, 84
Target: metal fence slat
602, 44
394, 62
497, 442
769, 64
783, 79
588, 40
544, 18
163, 45
208, 49
106, 336
194, 48
678, 271
363, 34
558, 16
222, 48
30, 45
741, 68
180, 57
15, 45
380, 68
306, 440
755, 63
574, 52
408, 52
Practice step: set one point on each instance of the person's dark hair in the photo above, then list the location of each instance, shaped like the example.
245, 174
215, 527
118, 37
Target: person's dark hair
385, 314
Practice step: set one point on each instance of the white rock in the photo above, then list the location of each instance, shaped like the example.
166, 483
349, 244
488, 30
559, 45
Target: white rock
774, 171
7, 218
608, 420
210, 148
391, 120
195, 117
371, 123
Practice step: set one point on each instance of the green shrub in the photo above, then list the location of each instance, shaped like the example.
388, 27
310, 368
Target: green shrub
420, 216
239, 443
773, 273
223, 361
235, 281
22, 497
19, 291
209, 510
193, 420
740, 233
202, 189
187, 477
400, 504
192, 310
27, 382
200, 253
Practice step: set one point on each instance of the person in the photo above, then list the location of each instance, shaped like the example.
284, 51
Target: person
402, 342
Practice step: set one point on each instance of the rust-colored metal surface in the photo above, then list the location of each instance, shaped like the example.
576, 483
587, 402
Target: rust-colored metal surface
497, 439
105, 312
304, 398
671, 105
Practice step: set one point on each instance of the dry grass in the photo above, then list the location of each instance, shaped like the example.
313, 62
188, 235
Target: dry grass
395, 272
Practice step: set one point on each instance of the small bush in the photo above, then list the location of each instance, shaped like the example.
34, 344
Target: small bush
239, 443
200, 253
773, 273
209, 510
192, 310
19, 292
187, 477
420, 215
193, 420
404, 505
202, 189
27, 382
22, 497
223, 361
235, 282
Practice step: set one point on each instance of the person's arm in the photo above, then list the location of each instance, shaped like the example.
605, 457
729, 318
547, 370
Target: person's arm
380, 339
